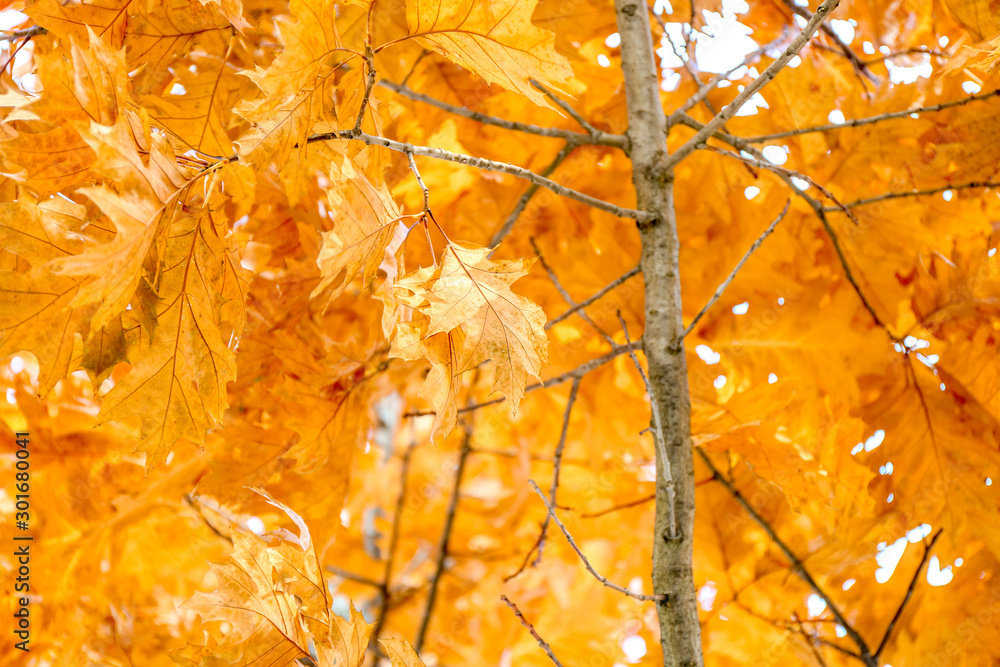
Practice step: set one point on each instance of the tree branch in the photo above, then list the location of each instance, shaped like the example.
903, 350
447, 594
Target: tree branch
557, 467
480, 163
592, 131
566, 295
755, 86
622, 506
635, 270
541, 642
449, 521
522, 203
571, 137
659, 441
818, 209
579, 371
404, 475
790, 173
798, 566
858, 122
859, 65
590, 568
909, 594
915, 193
739, 265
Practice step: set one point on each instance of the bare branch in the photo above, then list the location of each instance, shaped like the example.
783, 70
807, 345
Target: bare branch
817, 208
616, 508
739, 265
571, 137
522, 203
484, 164
404, 475
579, 371
847, 51
753, 87
592, 131
566, 295
24, 33
790, 173
661, 444
909, 594
916, 193
635, 270
797, 565
858, 122
420, 182
350, 576
369, 84
442, 555
557, 467
541, 642
590, 568
557, 464
908, 52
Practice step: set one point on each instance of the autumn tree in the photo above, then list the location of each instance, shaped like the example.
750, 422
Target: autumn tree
501, 331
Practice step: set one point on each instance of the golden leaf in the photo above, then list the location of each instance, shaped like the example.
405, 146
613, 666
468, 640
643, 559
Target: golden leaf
496, 40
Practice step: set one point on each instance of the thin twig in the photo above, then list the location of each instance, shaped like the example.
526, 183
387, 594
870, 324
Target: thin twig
397, 516
481, 163
623, 506
350, 576
579, 371
369, 84
791, 173
590, 568
797, 565
522, 203
847, 51
541, 642
907, 52
25, 33
449, 521
566, 295
635, 270
753, 87
661, 443
817, 208
557, 467
858, 122
916, 193
420, 181
565, 106
739, 265
909, 594
575, 138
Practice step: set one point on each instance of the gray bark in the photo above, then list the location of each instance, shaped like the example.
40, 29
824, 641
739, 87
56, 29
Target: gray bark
663, 339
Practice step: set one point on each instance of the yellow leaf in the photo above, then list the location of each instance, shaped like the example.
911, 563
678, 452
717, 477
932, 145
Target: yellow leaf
496, 40
400, 653
366, 218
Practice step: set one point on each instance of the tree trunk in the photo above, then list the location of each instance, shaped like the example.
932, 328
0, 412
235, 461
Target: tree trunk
673, 573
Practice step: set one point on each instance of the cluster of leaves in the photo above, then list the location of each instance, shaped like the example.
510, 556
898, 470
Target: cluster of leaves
204, 287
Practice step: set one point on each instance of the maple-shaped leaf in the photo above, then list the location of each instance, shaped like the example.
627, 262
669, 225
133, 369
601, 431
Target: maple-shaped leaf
35, 315
178, 382
471, 316
153, 32
299, 86
144, 196
44, 149
274, 597
366, 219
496, 40
400, 653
